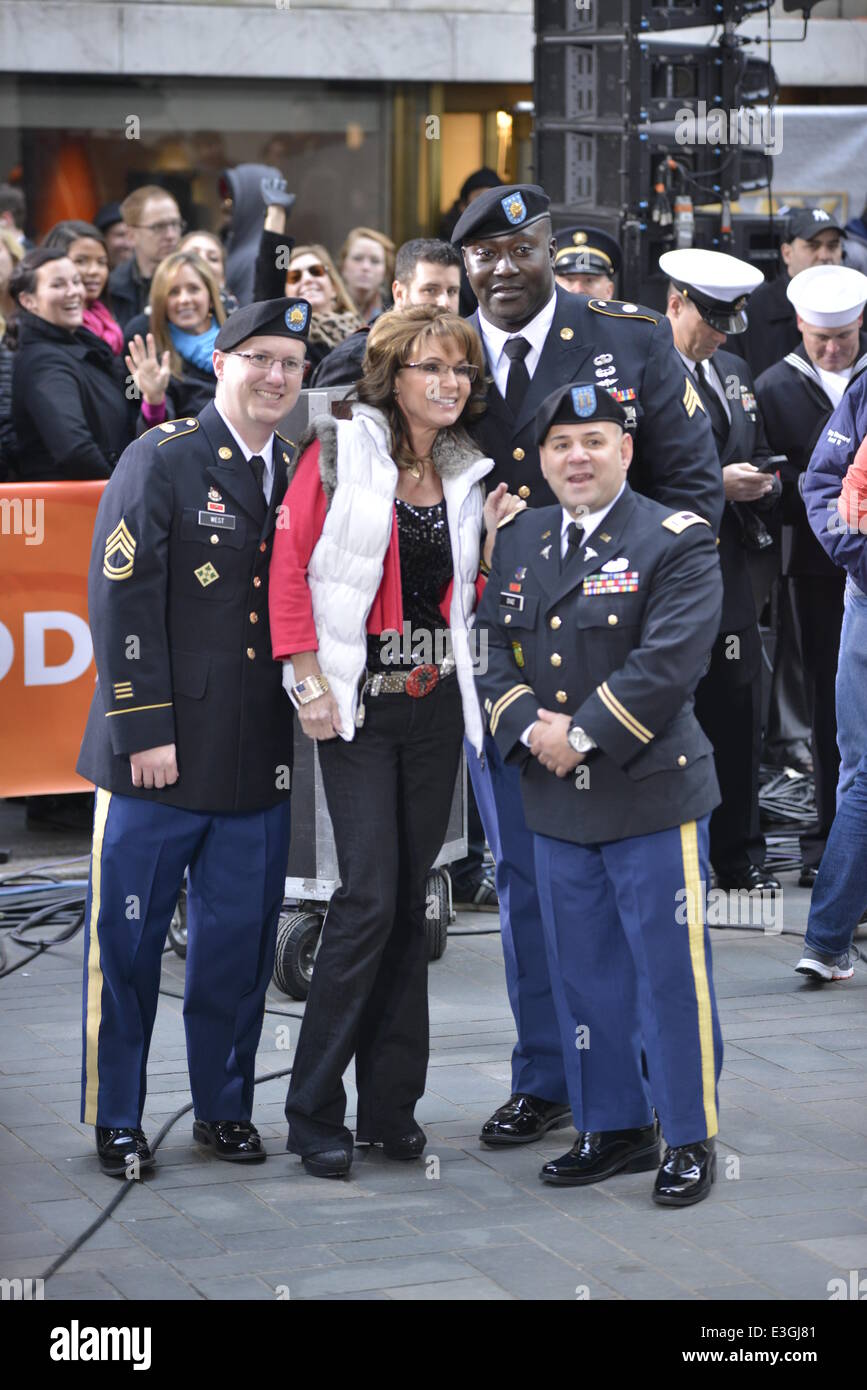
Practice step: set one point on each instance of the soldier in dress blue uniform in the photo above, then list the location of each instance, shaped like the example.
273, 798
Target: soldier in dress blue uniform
707, 300
189, 743
599, 614
536, 337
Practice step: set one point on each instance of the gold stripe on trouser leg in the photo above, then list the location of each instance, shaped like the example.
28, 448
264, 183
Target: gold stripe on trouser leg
94, 969
695, 920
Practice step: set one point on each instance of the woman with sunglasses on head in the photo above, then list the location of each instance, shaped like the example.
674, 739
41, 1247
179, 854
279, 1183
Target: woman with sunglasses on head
373, 586
172, 365
313, 275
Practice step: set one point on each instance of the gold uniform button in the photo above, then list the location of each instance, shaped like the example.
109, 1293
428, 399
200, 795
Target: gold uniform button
263, 547
215, 540
254, 617
612, 619
561, 697
566, 334
518, 454
681, 762
224, 452
555, 622
251, 652
556, 659
257, 583
524, 491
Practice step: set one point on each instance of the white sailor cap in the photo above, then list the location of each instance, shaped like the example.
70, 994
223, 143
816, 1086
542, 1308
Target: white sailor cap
718, 285
828, 296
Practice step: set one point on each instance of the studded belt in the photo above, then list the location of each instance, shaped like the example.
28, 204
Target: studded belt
417, 683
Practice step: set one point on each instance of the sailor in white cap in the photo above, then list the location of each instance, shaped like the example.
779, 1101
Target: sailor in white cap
707, 298
797, 397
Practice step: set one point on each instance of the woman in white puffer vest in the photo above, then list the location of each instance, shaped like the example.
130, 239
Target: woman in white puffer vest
373, 585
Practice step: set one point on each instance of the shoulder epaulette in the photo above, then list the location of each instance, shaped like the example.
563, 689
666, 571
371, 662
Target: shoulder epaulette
172, 429
511, 517
679, 521
618, 309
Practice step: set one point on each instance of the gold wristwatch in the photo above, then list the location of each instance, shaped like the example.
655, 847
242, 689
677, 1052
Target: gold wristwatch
309, 689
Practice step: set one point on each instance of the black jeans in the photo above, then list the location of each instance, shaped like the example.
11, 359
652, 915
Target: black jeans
388, 792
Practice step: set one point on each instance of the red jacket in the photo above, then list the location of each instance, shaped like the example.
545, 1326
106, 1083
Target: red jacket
291, 609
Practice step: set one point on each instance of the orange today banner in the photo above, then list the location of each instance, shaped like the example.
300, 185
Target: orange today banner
47, 671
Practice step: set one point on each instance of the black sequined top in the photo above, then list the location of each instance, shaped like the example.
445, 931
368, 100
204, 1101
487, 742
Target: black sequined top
425, 570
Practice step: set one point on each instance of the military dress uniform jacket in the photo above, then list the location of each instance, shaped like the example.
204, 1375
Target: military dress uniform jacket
178, 598
627, 348
796, 409
618, 638
743, 442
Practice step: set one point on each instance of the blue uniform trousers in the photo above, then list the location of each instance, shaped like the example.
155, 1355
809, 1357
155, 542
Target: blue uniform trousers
237, 867
631, 971
537, 1059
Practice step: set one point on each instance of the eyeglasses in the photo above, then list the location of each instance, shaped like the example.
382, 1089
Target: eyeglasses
317, 270
260, 362
464, 371
174, 224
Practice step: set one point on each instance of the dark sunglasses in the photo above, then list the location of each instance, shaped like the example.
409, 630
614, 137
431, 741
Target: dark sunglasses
293, 276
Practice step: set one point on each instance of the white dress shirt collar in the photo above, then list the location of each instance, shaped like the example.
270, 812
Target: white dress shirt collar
588, 522
266, 453
535, 332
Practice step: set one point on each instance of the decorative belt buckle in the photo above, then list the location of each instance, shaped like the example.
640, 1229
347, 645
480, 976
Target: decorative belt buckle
421, 681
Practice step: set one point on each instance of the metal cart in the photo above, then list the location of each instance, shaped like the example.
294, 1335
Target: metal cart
312, 875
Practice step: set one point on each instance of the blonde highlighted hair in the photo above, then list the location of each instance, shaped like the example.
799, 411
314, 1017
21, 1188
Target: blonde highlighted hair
160, 286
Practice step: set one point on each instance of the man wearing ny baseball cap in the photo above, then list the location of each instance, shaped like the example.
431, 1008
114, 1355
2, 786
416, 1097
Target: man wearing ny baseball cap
814, 238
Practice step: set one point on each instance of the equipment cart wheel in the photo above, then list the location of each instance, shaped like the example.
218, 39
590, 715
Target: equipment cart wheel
438, 913
178, 926
297, 939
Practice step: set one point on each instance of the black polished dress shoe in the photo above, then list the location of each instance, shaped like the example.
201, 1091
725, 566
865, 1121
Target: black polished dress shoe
328, 1163
235, 1140
686, 1174
597, 1156
410, 1144
807, 878
122, 1150
523, 1119
749, 877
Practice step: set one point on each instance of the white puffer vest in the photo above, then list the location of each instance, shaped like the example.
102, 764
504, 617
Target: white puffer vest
360, 477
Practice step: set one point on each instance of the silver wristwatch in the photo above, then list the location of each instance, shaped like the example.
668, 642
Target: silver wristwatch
579, 742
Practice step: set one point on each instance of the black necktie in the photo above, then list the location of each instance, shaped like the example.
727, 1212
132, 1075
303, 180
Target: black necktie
574, 539
258, 466
716, 413
516, 350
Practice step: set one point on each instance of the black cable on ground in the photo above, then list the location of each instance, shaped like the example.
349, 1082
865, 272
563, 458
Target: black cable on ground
129, 1183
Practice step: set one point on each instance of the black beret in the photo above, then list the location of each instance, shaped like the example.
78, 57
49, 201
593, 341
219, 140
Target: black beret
499, 211
577, 404
586, 251
274, 318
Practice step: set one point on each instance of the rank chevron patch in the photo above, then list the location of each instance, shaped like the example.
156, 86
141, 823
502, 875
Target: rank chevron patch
691, 399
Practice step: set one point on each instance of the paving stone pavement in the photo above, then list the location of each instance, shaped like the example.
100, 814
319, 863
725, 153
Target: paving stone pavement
788, 1212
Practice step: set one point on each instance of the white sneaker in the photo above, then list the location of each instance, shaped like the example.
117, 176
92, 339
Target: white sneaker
822, 967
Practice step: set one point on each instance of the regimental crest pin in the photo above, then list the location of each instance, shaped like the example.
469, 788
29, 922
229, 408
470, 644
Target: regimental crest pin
584, 401
545, 551
214, 495
296, 317
514, 207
